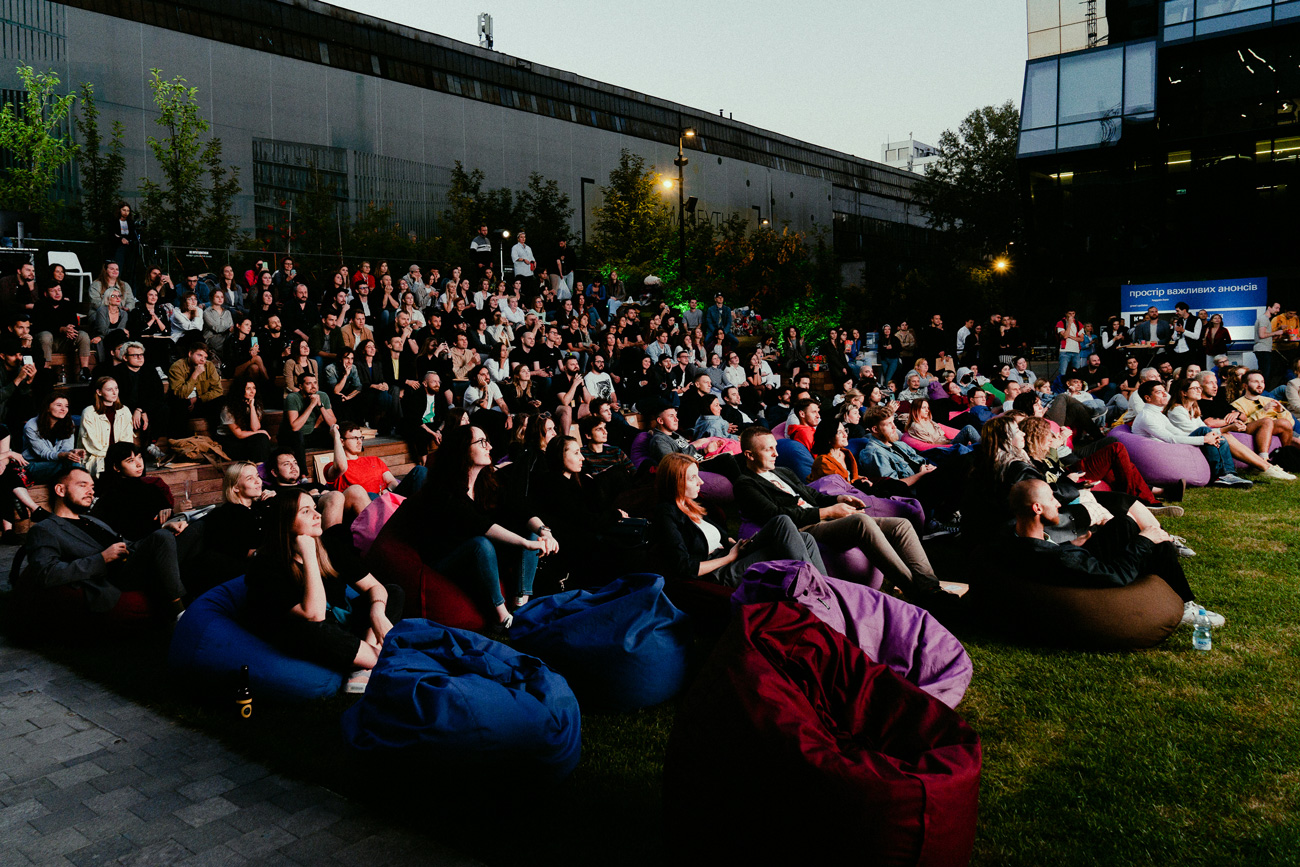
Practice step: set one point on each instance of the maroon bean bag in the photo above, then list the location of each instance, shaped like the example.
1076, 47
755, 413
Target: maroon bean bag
394, 559
793, 746
1164, 463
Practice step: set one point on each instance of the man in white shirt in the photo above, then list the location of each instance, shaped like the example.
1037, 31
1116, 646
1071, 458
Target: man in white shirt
963, 333
524, 260
1152, 422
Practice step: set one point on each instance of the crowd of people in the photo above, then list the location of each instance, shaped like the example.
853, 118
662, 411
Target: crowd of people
523, 393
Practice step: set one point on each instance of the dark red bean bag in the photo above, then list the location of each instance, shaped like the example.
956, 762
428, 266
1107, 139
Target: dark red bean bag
394, 559
793, 746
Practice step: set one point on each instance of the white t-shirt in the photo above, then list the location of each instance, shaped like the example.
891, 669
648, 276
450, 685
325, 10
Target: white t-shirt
599, 384
776, 480
712, 535
473, 395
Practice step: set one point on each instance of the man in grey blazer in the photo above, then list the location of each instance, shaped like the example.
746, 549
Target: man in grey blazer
72, 549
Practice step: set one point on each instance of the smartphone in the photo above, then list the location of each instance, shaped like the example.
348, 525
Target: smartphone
28, 361
254, 340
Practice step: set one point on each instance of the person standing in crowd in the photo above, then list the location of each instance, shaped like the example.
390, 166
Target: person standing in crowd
525, 262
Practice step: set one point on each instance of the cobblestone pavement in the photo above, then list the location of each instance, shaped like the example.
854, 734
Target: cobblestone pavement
90, 778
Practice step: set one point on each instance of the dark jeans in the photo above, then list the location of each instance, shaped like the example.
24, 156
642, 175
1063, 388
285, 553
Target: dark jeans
481, 565
151, 567
1219, 457
1114, 539
779, 539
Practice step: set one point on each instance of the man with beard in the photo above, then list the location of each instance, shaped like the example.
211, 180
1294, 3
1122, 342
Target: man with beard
1113, 555
72, 549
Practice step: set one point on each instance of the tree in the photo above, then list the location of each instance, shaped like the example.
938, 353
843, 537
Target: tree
316, 217
31, 135
634, 225
971, 192
544, 212
101, 171
469, 207
183, 210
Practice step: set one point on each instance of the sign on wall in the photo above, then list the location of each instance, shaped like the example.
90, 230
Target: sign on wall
1239, 301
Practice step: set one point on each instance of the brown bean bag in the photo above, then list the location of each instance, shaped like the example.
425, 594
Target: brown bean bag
1141, 614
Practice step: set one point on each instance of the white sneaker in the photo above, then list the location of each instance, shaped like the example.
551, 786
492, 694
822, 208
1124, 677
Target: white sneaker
1184, 550
1273, 471
1193, 608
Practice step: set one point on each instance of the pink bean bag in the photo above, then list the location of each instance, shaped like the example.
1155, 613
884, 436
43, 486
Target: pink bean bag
372, 519
915, 443
1164, 463
779, 431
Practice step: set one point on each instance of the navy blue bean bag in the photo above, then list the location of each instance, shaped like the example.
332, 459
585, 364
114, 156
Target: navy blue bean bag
794, 456
452, 698
212, 642
621, 647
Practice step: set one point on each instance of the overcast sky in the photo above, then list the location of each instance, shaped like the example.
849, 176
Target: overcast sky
845, 74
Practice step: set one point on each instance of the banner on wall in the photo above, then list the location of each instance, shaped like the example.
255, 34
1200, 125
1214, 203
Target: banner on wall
1239, 301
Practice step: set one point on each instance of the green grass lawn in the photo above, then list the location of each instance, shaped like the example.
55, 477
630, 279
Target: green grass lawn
1166, 756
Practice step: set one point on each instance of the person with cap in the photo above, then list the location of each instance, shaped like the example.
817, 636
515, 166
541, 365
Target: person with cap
661, 420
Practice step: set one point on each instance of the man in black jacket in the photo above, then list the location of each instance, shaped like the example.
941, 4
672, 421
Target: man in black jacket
1114, 555
891, 544
142, 391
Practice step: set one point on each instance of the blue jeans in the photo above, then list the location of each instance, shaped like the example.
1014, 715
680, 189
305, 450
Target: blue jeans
1219, 457
1067, 361
967, 436
481, 565
889, 369
44, 472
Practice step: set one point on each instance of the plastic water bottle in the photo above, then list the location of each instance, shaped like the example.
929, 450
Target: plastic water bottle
1201, 631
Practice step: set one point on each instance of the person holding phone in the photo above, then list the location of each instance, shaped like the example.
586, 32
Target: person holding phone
686, 545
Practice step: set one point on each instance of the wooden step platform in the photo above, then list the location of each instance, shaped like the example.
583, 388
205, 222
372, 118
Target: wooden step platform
204, 479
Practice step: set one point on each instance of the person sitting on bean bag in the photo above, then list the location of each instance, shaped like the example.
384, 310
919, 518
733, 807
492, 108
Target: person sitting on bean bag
298, 598
1113, 555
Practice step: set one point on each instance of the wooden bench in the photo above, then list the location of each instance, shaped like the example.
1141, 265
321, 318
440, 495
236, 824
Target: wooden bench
204, 479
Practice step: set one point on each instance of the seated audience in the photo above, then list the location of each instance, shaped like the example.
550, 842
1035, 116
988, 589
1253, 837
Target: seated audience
196, 388
1113, 555
51, 441
297, 594
688, 545
922, 427
242, 432
1152, 422
308, 419
74, 550
475, 536
665, 440
831, 454
369, 472
132, 503
763, 491
710, 422
15, 502
104, 422
1182, 410
1264, 416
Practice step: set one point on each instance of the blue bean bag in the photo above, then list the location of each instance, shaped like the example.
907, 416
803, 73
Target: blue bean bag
794, 456
211, 641
622, 647
452, 698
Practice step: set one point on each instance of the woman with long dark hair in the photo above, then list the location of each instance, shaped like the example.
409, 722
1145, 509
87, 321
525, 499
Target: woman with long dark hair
298, 598
831, 453
122, 245
243, 433
687, 545
297, 364
474, 535
243, 354
51, 441
217, 323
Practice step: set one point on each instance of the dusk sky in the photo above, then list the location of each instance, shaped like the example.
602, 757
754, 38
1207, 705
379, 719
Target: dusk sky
845, 74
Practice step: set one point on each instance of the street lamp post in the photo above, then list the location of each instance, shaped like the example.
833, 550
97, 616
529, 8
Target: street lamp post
505, 236
681, 162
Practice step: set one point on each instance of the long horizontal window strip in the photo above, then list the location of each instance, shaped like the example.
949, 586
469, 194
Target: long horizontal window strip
299, 33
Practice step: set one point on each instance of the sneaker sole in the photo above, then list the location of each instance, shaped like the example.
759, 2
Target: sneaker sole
1167, 511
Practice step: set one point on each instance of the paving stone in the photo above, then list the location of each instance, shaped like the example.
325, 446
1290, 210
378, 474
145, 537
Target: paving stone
201, 790
375, 849
257, 815
111, 822
299, 798
22, 812
310, 820
204, 837
161, 804
60, 841
157, 855
245, 773
352, 828
129, 776
251, 793
260, 842
61, 798
217, 856
155, 830
121, 798
23, 791
208, 767
313, 848
62, 818
206, 811
101, 852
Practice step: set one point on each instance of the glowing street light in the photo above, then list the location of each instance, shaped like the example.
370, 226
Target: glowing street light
1001, 263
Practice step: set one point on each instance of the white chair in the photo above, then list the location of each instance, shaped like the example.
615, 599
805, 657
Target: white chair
72, 267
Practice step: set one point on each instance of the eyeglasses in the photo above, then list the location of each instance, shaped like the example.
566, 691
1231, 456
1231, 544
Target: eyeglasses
481, 441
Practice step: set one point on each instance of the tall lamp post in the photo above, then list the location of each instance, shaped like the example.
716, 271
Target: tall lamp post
681, 162
505, 236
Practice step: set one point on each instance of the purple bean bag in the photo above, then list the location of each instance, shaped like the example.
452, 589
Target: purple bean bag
1164, 463
1249, 442
906, 638
877, 507
716, 488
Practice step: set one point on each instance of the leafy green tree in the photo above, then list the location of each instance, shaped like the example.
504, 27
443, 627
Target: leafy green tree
470, 206
971, 192
634, 225
32, 135
544, 212
184, 209
101, 169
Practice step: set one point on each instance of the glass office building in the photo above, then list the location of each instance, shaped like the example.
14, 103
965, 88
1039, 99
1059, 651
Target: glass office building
1161, 140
